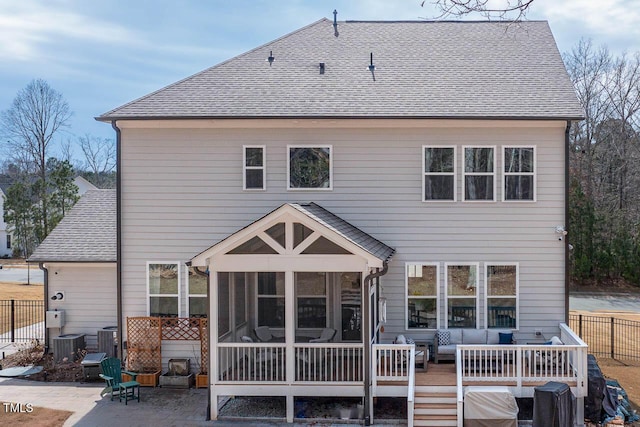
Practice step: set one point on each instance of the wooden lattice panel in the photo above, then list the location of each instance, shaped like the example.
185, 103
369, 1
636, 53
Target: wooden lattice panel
144, 344
204, 347
174, 328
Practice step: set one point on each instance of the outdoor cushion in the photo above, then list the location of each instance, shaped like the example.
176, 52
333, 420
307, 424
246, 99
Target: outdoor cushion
447, 349
493, 335
444, 338
506, 338
555, 341
474, 336
456, 336
400, 339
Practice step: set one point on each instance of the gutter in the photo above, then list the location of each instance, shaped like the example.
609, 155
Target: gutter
368, 281
46, 305
566, 221
119, 239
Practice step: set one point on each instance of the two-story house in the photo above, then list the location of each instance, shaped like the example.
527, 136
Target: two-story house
342, 185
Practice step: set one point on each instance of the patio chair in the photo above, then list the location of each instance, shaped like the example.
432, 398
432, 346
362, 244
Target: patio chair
112, 374
326, 335
263, 333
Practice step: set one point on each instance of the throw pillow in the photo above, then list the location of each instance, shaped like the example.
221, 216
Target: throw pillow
444, 338
400, 339
505, 338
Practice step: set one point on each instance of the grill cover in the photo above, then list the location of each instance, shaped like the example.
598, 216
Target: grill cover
490, 407
553, 405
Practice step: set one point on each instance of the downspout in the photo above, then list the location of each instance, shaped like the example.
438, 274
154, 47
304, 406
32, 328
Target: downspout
46, 305
206, 274
119, 238
566, 221
368, 281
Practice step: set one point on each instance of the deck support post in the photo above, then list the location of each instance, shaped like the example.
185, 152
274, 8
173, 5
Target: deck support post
290, 408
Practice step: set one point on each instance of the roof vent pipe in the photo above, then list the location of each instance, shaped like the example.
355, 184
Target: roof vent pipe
335, 23
322, 68
270, 59
371, 67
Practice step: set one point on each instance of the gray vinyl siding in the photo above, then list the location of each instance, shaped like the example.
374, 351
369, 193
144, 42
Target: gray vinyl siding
89, 298
182, 192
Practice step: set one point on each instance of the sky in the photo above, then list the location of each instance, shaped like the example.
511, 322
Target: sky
102, 54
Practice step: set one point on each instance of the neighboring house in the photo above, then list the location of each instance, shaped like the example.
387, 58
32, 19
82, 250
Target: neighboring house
371, 178
83, 185
6, 245
79, 260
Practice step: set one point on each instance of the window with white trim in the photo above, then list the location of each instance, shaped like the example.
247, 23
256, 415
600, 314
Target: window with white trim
254, 168
479, 174
163, 286
439, 168
309, 167
519, 174
461, 287
197, 293
422, 285
502, 295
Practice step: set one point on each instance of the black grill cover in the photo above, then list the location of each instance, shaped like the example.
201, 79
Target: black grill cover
553, 405
596, 387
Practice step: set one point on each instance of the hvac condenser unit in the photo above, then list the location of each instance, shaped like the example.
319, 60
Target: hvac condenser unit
69, 346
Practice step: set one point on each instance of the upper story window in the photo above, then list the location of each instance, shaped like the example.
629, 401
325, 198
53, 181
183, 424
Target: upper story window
423, 282
309, 167
254, 168
479, 174
163, 286
519, 174
439, 168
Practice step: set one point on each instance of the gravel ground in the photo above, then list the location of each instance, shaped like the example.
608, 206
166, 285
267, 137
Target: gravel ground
327, 408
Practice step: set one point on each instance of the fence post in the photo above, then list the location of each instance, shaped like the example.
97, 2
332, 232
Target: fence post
613, 353
580, 326
13, 320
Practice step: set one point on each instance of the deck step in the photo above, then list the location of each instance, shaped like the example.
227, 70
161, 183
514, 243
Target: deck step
436, 399
435, 409
435, 420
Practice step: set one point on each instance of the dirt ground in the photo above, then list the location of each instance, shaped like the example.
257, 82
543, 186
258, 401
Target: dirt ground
13, 290
38, 417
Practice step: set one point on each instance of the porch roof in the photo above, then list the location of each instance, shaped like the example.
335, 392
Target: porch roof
327, 221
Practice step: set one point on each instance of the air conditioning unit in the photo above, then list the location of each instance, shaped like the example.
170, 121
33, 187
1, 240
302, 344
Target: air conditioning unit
68, 345
108, 341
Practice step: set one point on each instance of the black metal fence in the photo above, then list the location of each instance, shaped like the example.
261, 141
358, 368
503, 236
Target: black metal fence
608, 337
21, 320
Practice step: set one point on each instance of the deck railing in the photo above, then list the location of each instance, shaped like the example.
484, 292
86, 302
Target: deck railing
523, 365
267, 363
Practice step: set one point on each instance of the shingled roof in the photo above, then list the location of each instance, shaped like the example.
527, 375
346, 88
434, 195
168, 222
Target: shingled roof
422, 70
87, 233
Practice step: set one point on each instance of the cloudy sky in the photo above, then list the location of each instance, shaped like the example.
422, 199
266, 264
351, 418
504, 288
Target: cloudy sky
101, 54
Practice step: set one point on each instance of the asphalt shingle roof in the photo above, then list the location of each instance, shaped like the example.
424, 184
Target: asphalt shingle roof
422, 70
87, 233
350, 232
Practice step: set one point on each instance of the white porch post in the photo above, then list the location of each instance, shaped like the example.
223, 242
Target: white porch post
290, 336
213, 342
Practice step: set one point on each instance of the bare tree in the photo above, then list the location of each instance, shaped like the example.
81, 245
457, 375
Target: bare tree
99, 158
511, 9
588, 67
37, 113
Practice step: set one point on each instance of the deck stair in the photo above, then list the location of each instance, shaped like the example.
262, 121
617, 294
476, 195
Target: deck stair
435, 406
